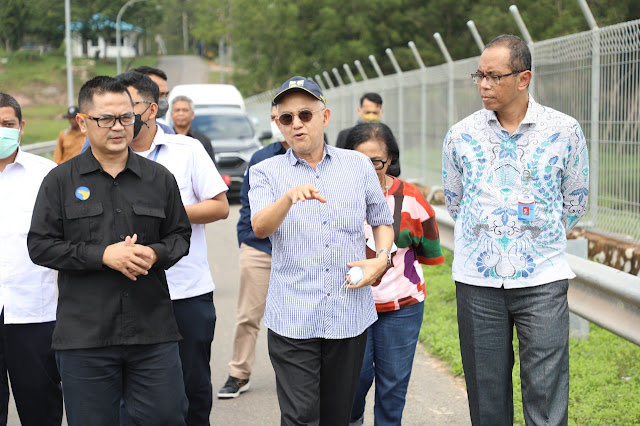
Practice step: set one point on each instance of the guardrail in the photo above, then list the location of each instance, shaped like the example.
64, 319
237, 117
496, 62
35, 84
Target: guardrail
603, 295
40, 148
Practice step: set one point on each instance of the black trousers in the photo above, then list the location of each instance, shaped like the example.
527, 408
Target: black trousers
27, 357
147, 377
196, 318
316, 379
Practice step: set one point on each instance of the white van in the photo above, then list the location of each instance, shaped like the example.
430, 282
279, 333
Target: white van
209, 95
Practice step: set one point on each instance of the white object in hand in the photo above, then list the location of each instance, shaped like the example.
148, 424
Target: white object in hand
356, 274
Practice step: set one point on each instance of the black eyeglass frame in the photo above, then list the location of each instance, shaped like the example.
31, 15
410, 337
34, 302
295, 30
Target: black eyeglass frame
118, 118
477, 77
381, 162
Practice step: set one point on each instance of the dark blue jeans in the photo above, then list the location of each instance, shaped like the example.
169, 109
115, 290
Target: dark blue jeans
486, 317
196, 318
391, 345
147, 377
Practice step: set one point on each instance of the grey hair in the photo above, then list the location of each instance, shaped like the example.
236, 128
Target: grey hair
185, 99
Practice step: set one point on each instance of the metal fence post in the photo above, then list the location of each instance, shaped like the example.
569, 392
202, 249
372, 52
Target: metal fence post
594, 152
476, 35
360, 69
396, 66
527, 37
320, 82
327, 77
423, 111
450, 79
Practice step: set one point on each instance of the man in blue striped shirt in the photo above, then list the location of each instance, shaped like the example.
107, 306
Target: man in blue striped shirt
312, 203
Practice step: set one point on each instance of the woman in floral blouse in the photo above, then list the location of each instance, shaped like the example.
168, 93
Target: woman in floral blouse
399, 294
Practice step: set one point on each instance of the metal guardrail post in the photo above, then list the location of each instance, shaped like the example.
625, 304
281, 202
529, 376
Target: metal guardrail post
605, 296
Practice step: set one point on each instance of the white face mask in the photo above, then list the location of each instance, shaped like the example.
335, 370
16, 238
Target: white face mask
276, 133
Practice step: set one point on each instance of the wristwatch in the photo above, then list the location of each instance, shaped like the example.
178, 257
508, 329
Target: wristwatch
388, 255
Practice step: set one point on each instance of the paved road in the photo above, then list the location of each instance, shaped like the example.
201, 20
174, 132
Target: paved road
184, 69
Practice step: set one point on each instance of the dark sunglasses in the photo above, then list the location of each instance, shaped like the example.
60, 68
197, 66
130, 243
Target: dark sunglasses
305, 115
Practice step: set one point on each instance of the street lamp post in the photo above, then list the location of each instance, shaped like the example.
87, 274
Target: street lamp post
118, 38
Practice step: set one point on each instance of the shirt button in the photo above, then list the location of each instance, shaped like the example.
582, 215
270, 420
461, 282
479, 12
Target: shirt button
122, 237
326, 245
328, 294
326, 270
125, 294
115, 183
317, 177
324, 223
118, 211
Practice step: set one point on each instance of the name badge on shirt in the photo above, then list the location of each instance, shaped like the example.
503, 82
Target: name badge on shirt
526, 207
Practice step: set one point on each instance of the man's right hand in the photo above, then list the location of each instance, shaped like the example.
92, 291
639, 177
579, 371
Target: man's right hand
304, 193
127, 257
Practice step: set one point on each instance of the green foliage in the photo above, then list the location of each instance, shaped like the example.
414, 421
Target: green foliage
274, 40
604, 369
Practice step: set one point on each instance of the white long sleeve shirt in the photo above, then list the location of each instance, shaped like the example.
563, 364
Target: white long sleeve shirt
27, 291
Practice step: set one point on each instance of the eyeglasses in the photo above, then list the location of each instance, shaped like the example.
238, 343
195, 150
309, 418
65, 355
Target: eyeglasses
305, 116
379, 164
143, 102
494, 80
110, 121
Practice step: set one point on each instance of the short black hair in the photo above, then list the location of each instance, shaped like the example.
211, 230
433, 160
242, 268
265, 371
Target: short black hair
99, 85
365, 132
7, 100
520, 59
373, 97
146, 70
146, 87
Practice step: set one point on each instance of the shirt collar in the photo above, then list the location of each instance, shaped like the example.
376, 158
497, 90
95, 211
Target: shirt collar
293, 159
87, 163
160, 137
530, 118
21, 158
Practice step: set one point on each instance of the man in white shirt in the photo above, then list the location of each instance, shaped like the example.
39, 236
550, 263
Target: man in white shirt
204, 196
27, 291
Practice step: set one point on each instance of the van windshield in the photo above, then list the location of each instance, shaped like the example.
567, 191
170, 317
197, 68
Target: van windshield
223, 126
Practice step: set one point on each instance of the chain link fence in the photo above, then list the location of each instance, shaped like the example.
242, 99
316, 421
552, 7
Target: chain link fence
593, 76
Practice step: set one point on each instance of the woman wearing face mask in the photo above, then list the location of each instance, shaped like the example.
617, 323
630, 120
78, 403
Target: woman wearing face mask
399, 294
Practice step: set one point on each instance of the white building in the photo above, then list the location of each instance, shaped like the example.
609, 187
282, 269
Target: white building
130, 47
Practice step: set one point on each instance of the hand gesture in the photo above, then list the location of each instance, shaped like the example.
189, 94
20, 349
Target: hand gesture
304, 193
129, 258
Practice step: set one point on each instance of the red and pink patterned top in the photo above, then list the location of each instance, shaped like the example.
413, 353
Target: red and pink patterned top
416, 244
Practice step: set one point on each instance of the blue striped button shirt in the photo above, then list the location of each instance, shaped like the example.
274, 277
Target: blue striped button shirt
314, 243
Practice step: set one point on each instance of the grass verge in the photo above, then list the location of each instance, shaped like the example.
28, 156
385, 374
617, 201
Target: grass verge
604, 369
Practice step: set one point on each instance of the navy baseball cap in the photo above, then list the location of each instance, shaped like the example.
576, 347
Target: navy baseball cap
71, 112
301, 84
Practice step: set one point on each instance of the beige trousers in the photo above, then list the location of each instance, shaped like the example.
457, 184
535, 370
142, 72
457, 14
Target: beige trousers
255, 269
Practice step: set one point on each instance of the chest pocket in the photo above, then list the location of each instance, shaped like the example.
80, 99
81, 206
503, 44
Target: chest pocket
85, 221
147, 222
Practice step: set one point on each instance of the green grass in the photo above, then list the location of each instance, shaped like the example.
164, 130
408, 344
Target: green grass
604, 369
39, 82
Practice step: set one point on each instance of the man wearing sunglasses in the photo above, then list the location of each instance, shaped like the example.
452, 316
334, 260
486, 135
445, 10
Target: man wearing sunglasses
111, 223
311, 202
516, 179
203, 193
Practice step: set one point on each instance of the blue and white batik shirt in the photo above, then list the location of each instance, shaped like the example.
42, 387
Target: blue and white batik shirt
484, 173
